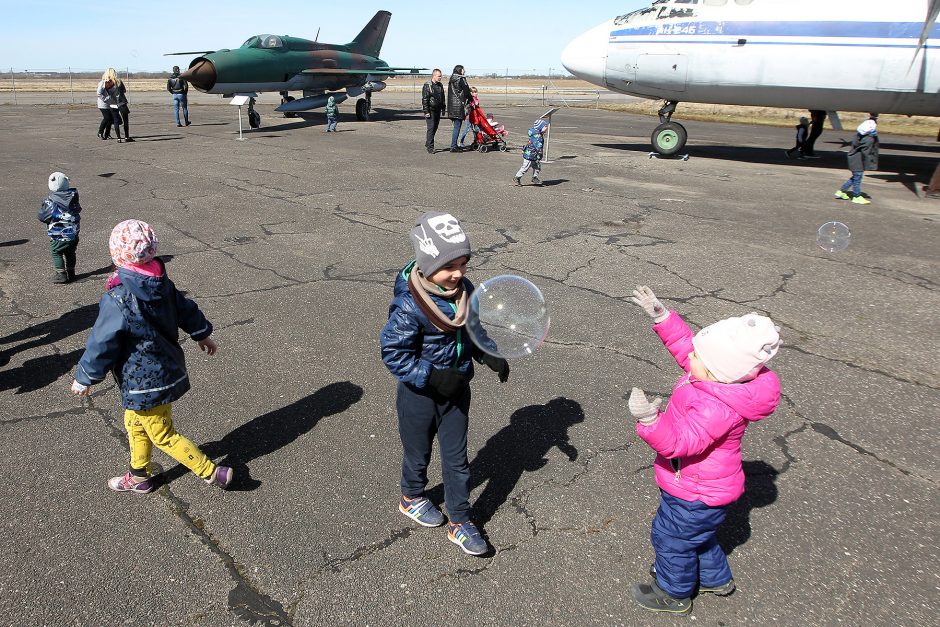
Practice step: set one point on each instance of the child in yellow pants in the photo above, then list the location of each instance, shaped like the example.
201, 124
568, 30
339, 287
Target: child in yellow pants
135, 337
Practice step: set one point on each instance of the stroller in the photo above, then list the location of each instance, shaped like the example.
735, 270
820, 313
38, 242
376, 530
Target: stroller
488, 133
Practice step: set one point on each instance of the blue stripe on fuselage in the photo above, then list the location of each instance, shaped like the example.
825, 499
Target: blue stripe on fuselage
884, 30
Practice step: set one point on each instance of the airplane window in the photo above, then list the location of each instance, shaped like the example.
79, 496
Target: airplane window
629, 17
251, 42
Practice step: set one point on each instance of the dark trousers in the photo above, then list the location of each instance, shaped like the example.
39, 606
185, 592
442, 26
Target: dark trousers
63, 254
817, 120
433, 122
420, 418
125, 115
109, 117
687, 552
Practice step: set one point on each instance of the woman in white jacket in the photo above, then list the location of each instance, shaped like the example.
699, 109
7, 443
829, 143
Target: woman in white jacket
107, 105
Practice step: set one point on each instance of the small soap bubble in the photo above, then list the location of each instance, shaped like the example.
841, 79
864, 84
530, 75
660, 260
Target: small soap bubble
833, 237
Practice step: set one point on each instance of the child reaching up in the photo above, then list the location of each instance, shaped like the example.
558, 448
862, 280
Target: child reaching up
135, 338
532, 153
697, 440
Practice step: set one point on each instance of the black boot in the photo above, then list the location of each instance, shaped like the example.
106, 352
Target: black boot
653, 598
60, 276
70, 272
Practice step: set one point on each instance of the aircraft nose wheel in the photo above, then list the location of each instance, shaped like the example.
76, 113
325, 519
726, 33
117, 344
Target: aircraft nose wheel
669, 138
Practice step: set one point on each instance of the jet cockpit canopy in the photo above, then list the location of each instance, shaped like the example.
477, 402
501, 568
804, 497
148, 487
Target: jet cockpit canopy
264, 41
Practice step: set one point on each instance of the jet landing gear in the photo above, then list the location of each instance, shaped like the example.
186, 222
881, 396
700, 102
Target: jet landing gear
254, 118
285, 98
364, 106
669, 137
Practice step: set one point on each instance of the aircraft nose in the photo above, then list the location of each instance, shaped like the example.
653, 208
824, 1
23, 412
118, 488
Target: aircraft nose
586, 55
201, 74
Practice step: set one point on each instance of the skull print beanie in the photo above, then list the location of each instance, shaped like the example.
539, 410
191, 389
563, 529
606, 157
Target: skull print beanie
132, 242
438, 239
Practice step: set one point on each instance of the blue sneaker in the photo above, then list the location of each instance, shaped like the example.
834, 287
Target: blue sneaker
422, 511
467, 537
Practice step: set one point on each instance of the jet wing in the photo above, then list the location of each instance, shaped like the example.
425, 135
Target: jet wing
379, 70
170, 54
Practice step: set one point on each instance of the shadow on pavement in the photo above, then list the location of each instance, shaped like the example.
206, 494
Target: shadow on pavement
519, 447
272, 431
760, 490
39, 372
14, 242
47, 332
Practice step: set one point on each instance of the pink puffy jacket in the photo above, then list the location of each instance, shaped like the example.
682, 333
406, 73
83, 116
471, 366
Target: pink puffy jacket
698, 437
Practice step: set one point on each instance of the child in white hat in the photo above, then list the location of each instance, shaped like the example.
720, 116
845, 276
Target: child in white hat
862, 156
60, 211
697, 440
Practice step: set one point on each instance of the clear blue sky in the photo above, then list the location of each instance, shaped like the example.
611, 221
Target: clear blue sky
92, 35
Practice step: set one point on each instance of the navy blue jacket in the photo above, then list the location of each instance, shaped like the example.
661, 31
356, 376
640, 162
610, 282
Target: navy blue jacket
135, 338
61, 212
412, 346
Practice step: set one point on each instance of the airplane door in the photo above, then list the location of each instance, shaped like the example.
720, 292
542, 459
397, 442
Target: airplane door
667, 72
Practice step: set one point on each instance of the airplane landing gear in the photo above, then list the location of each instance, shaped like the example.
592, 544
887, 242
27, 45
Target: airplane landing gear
669, 137
285, 98
254, 118
363, 107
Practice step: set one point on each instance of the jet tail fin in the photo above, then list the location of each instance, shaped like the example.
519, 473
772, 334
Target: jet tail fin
369, 40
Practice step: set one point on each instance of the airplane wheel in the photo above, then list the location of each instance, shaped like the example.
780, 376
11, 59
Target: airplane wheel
362, 110
285, 100
669, 138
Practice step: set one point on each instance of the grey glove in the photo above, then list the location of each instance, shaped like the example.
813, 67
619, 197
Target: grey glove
645, 298
644, 411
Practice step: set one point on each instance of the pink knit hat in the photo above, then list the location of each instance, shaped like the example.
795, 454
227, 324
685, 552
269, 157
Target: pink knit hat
735, 349
132, 242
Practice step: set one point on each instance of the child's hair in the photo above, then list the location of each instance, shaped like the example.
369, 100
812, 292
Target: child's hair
473, 90
735, 349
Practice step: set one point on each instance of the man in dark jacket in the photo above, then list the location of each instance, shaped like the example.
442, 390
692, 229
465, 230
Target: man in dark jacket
180, 90
458, 96
432, 102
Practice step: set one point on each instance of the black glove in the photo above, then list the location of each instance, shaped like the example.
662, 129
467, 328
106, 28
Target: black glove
498, 365
449, 383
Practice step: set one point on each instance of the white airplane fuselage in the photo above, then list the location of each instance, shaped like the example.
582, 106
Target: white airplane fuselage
834, 55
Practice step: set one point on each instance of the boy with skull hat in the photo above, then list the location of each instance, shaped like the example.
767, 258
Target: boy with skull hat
424, 345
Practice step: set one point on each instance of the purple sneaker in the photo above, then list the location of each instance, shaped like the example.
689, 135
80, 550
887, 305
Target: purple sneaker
130, 483
221, 476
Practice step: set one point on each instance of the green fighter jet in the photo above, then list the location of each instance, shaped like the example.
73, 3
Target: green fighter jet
285, 64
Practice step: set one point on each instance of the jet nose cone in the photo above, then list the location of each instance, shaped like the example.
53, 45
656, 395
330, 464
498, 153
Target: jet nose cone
586, 55
201, 74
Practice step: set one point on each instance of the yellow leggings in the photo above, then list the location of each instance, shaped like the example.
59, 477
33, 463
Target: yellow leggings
149, 427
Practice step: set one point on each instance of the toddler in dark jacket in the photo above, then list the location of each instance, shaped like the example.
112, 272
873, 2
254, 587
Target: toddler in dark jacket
60, 211
425, 346
135, 338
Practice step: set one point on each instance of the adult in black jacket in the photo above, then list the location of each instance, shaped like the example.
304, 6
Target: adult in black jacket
432, 103
120, 93
458, 97
180, 90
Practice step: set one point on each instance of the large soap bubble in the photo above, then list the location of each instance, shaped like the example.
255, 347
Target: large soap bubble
833, 236
507, 316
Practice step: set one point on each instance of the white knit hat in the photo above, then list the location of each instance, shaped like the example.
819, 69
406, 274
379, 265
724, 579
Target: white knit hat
58, 182
734, 349
867, 127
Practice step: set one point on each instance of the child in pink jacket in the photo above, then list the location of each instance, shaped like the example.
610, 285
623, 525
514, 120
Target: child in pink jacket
697, 440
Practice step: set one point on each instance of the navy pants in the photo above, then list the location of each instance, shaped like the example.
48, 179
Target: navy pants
420, 418
687, 552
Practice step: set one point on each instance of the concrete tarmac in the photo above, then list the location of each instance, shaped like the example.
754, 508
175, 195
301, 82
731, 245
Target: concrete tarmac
290, 242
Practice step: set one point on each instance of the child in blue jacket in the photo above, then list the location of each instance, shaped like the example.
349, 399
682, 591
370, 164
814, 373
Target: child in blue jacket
135, 338
60, 211
532, 153
424, 345
331, 113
